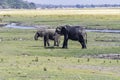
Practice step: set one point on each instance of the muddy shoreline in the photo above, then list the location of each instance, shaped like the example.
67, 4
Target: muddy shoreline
104, 56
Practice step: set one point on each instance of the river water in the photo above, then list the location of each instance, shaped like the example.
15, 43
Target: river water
103, 31
13, 25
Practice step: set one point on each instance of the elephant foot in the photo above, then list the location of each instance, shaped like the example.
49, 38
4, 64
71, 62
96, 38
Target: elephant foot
57, 45
64, 47
84, 47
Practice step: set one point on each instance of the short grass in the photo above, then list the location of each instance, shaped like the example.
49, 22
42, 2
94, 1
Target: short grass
23, 58
22, 41
57, 68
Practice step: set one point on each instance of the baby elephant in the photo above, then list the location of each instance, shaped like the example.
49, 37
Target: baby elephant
48, 34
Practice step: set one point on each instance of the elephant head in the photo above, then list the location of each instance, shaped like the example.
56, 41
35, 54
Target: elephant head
62, 29
38, 34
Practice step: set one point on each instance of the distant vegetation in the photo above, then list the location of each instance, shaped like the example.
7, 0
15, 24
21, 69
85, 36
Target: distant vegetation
20, 4
44, 6
16, 4
91, 18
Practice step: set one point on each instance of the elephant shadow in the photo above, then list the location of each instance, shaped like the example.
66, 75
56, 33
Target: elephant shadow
49, 47
36, 46
53, 47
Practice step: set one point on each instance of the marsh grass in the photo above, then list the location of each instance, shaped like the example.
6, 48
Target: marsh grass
90, 18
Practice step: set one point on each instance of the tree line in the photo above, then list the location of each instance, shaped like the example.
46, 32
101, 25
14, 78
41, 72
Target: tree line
16, 4
20, 4
44, 6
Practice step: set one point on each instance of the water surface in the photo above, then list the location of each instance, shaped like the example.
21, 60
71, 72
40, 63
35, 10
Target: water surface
14, 25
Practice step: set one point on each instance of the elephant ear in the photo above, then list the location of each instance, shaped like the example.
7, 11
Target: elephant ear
40, 33
65, 29
58, 30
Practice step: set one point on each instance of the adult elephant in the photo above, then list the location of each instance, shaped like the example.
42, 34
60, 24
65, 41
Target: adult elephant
75, 33
48, 34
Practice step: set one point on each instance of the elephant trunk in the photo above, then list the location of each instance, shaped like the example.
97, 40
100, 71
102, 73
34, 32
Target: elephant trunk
35, 37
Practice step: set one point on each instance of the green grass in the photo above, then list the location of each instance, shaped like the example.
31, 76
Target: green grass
23, 58
22, 42
57, 68
91, 21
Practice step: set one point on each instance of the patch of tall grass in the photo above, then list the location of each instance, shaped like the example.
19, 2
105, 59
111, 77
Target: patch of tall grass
93, 18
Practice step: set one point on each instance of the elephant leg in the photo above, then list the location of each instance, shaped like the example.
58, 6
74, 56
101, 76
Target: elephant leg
83, 45
48, 42
82, 42
65, 43
58, 43
44, 43
54, 42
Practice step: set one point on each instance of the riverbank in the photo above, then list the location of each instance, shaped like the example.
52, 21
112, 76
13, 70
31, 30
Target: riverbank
19, 26
3, 24
92, 20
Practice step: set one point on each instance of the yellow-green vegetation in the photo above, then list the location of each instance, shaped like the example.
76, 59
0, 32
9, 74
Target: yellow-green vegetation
23, 58
91, 18
57, 68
